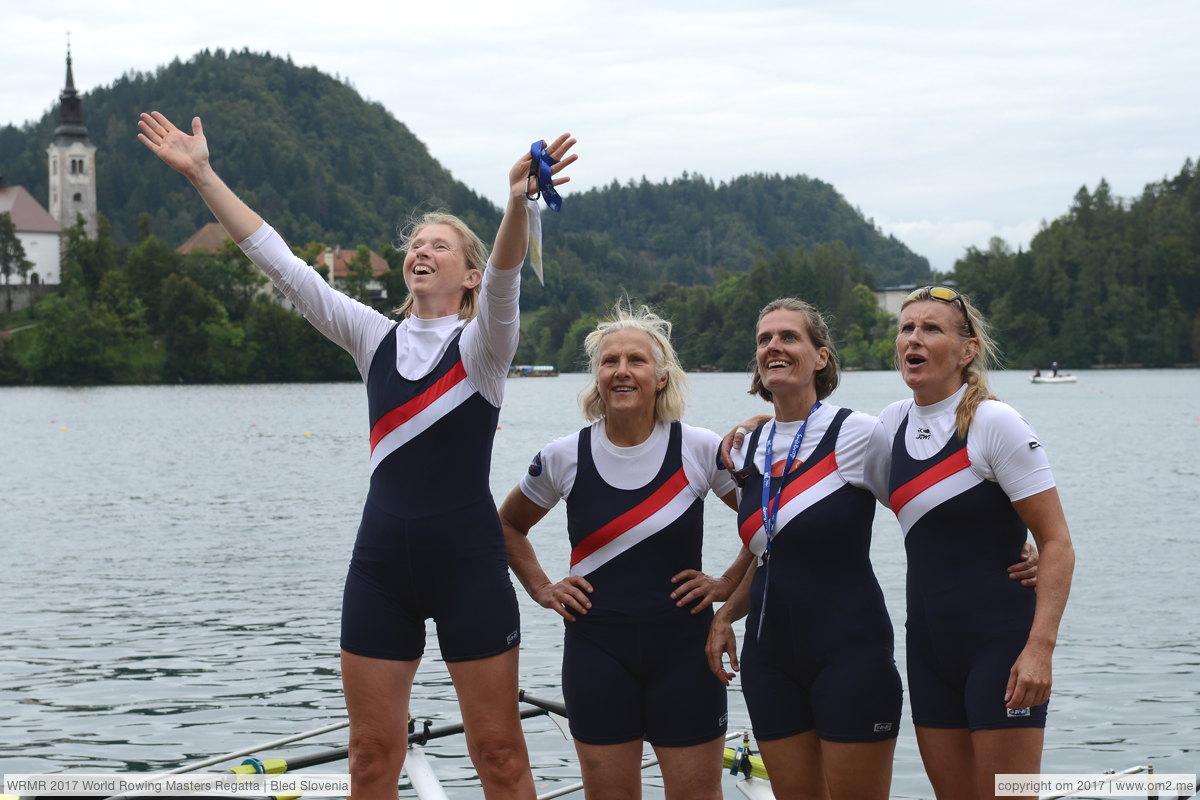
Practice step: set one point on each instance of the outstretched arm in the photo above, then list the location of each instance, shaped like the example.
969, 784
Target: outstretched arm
512, 239
188, 155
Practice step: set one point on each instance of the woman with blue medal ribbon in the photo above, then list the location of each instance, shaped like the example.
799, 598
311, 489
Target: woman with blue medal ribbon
817, 668
428, 546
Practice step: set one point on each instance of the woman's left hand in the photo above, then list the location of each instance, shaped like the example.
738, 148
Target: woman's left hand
1030, 678
1026, 569
519, 178
698, 586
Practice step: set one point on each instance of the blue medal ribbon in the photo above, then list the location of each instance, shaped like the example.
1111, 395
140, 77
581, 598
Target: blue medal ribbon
540, 168
770, 506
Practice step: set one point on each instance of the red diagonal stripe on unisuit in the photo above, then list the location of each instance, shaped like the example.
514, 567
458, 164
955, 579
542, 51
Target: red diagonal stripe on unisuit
402, 414
639, 513
819, 471
955, 462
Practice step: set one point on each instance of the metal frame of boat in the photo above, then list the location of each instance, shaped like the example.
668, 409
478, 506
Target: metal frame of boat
751, 776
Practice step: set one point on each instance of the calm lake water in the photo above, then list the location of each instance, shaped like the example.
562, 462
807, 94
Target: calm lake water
174, 556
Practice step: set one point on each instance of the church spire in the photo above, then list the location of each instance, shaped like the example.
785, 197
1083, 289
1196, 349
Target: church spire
70, 110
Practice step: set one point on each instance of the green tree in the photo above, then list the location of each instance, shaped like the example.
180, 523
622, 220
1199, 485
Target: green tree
75, 343
12, 252
360, 274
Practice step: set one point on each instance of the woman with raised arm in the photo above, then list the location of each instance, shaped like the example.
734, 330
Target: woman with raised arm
818, 674
430, 543
969, 480
635, 604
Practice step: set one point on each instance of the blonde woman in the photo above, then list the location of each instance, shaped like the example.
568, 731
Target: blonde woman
430, 544
635, 604
968, 480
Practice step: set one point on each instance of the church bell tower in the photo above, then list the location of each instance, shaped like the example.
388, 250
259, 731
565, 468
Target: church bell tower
72, 162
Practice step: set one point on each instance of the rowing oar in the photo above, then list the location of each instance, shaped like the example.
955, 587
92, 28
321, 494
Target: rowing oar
275, 766
208, 762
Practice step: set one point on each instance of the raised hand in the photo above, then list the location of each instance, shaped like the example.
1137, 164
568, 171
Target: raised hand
186, 154
519, 179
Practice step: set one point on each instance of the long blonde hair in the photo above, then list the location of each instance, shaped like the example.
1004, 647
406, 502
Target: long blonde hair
474, 251
974, 374
668, 403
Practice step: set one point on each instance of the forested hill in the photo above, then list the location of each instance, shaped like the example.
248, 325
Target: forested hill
691, 226
304, 149
322, 164
1112, 281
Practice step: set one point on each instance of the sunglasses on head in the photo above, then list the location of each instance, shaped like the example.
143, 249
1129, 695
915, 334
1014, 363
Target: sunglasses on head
946, 295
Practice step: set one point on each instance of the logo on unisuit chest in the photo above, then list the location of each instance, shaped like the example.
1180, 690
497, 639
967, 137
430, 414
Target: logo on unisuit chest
923, 433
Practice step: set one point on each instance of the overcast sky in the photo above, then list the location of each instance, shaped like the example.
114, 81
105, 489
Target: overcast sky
945, 122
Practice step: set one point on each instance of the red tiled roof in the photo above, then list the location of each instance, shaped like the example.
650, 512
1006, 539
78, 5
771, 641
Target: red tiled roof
27, 213
342, 259
208, 239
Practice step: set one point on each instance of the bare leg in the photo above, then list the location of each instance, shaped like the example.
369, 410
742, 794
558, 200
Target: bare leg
694, 772
611, 771
858, 770
795, 767
487, 699
949, 758
1006, 750
377, 692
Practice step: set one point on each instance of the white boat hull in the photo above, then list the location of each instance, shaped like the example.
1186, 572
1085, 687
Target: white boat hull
1052, 379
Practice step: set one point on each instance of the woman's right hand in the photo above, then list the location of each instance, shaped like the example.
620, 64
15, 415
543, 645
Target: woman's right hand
569, 594
519, 179
722, 642
185, 154
736, 437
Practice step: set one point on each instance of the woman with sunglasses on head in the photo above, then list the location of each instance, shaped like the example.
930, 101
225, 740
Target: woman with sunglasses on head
635, 604
968, 478
818, 672
430, 543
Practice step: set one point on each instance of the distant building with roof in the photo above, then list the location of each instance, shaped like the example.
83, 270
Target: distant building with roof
40, 234
209, 239
335, 261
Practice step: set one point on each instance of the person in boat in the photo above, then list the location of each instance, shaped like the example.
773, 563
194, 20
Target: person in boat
968, 481
817, 665
1053, 369
430, 543
635, 605
818, 673
1037, 373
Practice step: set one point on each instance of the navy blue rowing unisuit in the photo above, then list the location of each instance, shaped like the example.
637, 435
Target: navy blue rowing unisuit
967, 621
824, 659
634, 666
430, 543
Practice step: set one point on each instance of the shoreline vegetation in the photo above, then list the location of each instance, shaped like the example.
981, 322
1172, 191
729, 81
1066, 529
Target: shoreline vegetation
1112, 283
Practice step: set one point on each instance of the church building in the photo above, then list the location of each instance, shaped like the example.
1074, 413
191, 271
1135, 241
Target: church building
72, 163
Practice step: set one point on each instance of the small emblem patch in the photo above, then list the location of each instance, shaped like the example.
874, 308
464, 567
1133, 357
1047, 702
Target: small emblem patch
1034, 445
883, 727
1017, 712
535, 466
514, 636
